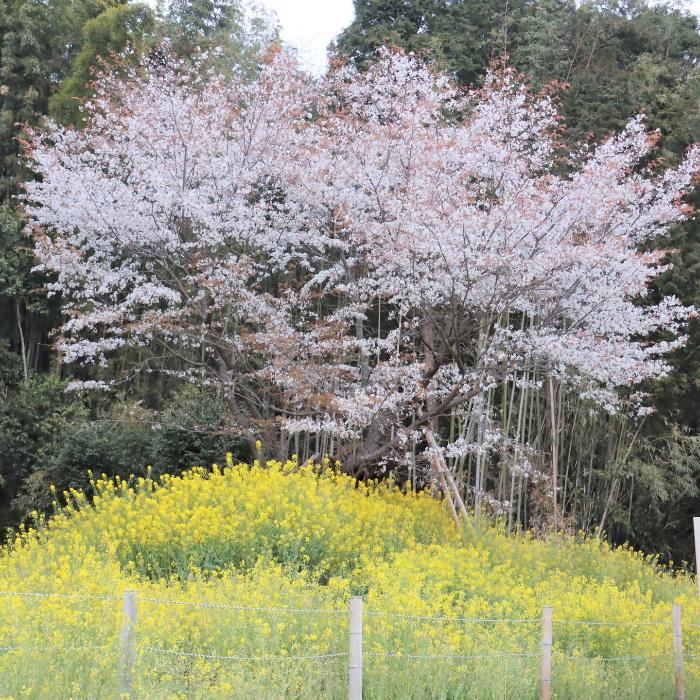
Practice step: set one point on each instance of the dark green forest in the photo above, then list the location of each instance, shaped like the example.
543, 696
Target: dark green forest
629, 480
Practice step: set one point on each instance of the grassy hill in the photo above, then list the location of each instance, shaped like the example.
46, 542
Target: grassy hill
277, 537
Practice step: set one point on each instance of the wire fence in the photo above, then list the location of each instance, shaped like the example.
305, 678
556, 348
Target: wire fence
355, 655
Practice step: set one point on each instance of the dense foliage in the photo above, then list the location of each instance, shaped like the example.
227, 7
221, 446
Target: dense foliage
610, 59
285, 536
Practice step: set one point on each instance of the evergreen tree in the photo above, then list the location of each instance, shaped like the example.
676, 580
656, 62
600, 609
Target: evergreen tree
39, 41
238, 35
104, 36
463, 36
618, 58
547, 35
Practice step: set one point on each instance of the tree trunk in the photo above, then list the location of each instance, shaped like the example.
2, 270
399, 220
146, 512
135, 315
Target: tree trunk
23, 346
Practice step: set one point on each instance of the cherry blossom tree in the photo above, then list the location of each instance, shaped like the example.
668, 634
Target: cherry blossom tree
358, 260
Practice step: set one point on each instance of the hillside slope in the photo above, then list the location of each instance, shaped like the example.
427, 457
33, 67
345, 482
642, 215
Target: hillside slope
275, 551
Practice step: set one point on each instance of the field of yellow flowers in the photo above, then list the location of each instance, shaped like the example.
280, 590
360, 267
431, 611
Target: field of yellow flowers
271, 553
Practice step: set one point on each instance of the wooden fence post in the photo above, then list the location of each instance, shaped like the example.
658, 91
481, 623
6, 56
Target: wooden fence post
678, 652
546, 663
128, 645
355, 664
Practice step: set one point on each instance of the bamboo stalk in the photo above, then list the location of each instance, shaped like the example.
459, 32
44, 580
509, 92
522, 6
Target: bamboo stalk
437, 468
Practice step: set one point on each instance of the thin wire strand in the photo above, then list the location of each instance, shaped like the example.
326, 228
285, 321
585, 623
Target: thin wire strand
219, 657
225, 606
595, 623
321, 611
612, 658
444, 618
85, 647
399, 655
49, 594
